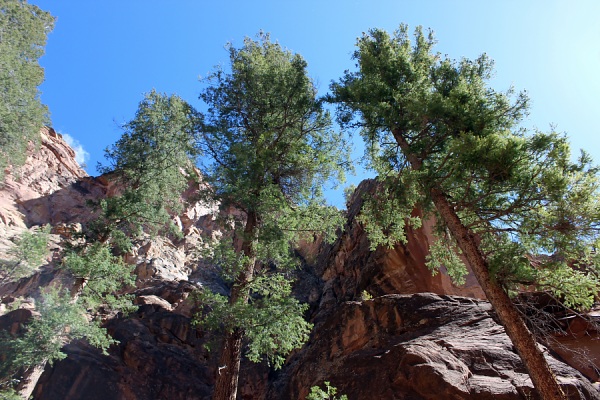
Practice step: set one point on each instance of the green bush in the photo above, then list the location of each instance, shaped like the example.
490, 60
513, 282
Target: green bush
316, 393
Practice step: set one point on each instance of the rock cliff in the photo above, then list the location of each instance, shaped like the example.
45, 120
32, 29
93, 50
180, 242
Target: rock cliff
349, 267
420, 337
420, 346
42, 190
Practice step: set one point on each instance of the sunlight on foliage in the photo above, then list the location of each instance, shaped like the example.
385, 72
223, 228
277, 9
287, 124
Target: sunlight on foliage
153, 163
272, 319
575, 289
518, 193
387, 213
24, 29
28, 253
101, 275
60, 321
316, 393
445, 254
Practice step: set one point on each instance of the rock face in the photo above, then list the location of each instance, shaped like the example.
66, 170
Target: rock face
421, 346
160, 356
26, 197
351, 268
402, 344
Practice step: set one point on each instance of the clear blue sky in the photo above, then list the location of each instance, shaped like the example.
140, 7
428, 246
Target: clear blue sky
104, 55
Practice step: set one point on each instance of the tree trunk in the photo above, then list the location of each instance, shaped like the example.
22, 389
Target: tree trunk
231, 349
30, 379
541, 375
229, 366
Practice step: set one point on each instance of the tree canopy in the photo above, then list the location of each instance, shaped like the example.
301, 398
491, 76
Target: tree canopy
269, 147
442, 139
265, 133
23, 31
519, 192
152, 166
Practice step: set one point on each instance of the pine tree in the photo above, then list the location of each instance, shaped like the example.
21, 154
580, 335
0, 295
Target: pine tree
269, 147
64, 315
29, 252
23, 31
442, 139
151, 165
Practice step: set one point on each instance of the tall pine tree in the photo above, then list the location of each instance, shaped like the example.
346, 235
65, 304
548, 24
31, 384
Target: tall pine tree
152, 166
269, 148
441, 138
23, 32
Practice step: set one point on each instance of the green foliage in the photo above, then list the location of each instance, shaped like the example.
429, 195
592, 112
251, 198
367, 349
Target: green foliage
348, 193
576, 289
101, 275
23, 31
156, 148
9, 394
60, 321
364, 295
445, 254
151, 162
268, 140
316, 393
229, 261
437, 124
69, 315
29, 252
32, 248
269, 148
276, 325
386, 213
272, 318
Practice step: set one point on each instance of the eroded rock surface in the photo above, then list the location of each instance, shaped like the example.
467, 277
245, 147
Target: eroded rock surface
351, 268
420, 346
26, 197
160, 356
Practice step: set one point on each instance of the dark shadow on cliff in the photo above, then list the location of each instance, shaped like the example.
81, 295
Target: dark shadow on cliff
66, 205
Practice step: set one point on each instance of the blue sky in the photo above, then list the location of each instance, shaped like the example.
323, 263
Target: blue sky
104, 55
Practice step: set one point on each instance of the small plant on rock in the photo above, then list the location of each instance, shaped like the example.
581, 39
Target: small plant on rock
316, 393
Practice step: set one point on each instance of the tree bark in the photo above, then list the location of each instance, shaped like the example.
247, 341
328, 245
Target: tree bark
231, 350
229, 366
539, 371
541, 375
30, 379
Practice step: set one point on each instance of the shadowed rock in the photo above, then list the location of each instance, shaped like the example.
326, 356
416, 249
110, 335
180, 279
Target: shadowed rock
420, 346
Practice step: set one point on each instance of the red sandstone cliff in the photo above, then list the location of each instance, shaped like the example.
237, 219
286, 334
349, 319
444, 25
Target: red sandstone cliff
48, 170
403, 344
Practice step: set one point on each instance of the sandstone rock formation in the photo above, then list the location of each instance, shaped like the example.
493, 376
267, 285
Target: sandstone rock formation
402, 344
421, 346
351, 268
160, 356
26, 195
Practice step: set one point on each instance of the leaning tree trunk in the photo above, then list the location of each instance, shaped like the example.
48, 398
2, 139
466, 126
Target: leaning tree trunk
228, 370
229, 366
30, 379
541, 375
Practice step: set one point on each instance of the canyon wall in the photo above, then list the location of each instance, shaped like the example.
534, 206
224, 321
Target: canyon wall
418, 337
